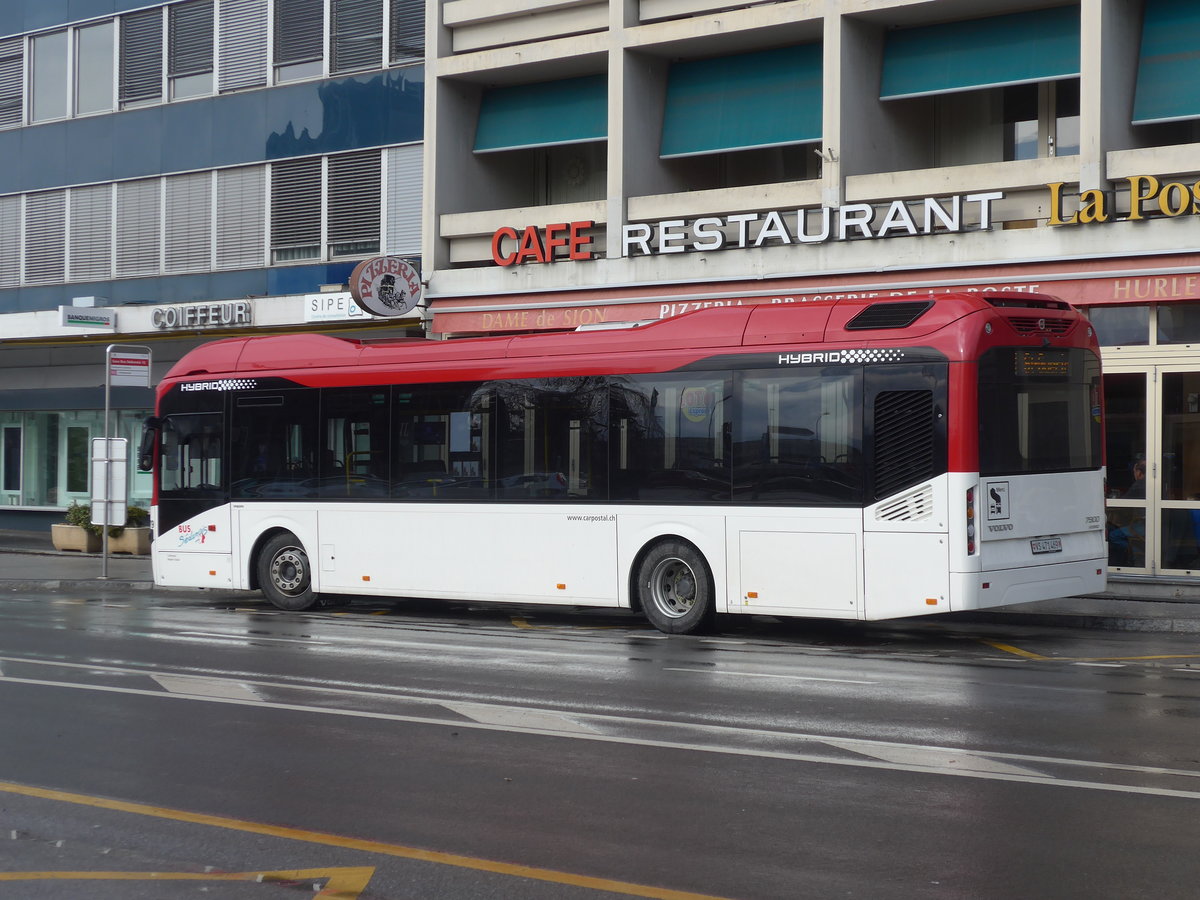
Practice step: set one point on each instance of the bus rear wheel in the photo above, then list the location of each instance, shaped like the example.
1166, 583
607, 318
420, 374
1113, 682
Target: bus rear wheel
284, 573
675, 587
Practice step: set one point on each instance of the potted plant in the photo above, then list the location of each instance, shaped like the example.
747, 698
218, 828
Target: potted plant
78, 533
135, 536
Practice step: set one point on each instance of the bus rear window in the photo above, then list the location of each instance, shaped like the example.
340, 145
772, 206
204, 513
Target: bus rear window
1039, 411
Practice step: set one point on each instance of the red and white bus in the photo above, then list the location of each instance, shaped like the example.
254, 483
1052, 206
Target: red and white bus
855, 459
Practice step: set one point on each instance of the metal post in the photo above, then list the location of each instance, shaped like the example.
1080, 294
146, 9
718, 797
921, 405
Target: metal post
137, 378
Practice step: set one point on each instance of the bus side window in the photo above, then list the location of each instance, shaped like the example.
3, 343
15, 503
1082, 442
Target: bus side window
275, 434
670, 437
192, 451
553, 440
442, 442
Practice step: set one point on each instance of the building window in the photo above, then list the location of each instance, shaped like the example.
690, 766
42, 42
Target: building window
10, 241
241, 217
94, 68
407, 32
243, 44
1041, 120
1116, 326
45, 237
141, 58
299, 39
90, 239
356, 41
10, 460
190, 48
139, 234
189, 223
12, 81
355, 204
48, 76
296, 209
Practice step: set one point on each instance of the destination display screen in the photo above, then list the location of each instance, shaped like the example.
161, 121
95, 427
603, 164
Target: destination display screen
1044, 363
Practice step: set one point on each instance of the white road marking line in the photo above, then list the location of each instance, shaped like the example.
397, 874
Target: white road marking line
767, 675
1100, 665
232, 636
213, 688
937, 757
518, 718
757, 752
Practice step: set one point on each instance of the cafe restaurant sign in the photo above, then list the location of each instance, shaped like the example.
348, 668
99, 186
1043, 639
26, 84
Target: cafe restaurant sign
930, 215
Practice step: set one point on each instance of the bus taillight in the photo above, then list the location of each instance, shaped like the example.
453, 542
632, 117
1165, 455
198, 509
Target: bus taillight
970, 521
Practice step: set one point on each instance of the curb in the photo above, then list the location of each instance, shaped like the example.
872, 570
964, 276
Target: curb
68, 584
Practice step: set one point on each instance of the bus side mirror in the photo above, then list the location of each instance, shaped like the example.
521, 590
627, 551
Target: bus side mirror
145, 459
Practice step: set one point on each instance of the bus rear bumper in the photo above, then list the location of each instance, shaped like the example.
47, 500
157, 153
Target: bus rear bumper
1005, 587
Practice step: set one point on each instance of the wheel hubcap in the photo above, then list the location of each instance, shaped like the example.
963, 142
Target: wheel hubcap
673, 588
289, 570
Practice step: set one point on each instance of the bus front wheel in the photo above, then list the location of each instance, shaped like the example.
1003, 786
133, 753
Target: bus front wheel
284, 573
675, 587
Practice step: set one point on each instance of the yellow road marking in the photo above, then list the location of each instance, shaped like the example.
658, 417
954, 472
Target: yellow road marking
349, 843
342, 883
520, 622
1016, 651
1027, 654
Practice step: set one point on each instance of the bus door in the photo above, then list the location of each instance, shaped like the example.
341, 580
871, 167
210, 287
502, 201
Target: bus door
906, 549
194, 540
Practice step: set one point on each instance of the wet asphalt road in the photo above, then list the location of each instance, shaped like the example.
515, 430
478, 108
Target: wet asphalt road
179, 744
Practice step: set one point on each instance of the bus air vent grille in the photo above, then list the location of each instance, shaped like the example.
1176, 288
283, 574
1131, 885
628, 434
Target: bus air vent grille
914, 507
1040, 325
899, 314
904, 440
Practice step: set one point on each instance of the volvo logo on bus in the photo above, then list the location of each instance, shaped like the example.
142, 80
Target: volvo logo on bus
385, 286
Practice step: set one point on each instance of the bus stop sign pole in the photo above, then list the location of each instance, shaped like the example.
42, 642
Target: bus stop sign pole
126, 365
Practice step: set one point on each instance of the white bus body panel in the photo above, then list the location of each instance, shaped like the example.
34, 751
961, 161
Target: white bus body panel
559, 554
196, 553
784, 564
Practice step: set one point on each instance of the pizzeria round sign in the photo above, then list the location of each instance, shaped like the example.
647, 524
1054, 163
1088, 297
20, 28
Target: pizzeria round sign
385, 286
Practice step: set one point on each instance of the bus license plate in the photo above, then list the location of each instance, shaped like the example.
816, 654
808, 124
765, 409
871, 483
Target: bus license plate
1046, 545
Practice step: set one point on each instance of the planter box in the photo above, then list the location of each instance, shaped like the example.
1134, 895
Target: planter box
74, 537
131, 540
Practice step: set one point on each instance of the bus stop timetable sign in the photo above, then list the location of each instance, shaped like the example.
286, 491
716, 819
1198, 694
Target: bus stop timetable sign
129, 369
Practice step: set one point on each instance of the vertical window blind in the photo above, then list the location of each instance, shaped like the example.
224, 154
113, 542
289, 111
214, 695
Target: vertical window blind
190, 38
241, 217
407, 31
357, 35
296, 208
139, 235
404, 173
354, 203
141, 56
90, 233
243, 44
45, 237
188, 223
12, 67
10, 241
299, 31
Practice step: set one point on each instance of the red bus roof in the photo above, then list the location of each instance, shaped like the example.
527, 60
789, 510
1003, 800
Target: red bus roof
688, 337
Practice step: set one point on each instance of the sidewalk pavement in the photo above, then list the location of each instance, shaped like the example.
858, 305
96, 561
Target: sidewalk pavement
29, 562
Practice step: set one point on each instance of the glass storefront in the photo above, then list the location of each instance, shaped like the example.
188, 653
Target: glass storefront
44, 456
1152, 439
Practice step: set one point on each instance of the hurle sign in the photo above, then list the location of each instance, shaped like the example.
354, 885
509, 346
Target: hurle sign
385, 286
